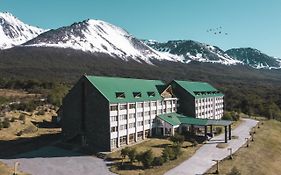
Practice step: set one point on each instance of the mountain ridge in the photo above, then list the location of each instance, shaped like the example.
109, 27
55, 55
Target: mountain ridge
14, 32
100, 37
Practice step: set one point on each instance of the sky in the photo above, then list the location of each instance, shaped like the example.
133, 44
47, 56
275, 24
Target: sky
248, 23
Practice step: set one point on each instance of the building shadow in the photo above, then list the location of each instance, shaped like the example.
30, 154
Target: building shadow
25, 147
46, 124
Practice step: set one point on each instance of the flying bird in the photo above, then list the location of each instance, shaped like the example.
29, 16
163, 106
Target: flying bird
217, 31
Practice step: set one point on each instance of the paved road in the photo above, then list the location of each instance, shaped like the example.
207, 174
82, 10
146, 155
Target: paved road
56, 161
201, 161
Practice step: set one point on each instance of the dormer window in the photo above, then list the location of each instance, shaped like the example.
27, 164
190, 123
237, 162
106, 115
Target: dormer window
151, 94
137, 94
120, 95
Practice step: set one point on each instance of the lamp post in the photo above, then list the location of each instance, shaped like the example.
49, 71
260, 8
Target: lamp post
247, 140
217, 161
16, 168
230, 153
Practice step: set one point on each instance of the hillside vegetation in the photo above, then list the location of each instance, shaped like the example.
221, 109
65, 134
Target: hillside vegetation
246, 89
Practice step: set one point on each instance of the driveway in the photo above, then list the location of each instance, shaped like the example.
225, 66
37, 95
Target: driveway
201, 161
56, 161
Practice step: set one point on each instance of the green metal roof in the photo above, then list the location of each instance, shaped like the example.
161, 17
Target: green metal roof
199, 89
170, 118
109, 86
177, 119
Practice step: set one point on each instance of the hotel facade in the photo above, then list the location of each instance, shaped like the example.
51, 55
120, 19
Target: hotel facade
108, 112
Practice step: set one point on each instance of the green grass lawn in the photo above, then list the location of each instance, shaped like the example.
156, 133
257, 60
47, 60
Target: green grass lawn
157, 145
262, 157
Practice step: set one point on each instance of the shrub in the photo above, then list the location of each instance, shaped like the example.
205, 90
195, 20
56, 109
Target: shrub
218, 130
19, 133
168, 154
139, 157
125, 152
157, 161
236, 117
25, 106
56, 95
177, 151
234, 171
132, 154
147, 158
13, 119
177, 139
22, 117
6, 123
1, 125
41, 112
227, 116
194, 142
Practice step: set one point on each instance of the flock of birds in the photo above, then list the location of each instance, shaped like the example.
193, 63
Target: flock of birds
217, 31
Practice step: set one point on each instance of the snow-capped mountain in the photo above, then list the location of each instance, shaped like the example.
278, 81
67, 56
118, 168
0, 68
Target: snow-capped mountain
255, 58
194, 51
14, 32
97, 36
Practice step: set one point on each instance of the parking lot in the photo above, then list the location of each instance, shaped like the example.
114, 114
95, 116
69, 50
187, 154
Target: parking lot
57, 161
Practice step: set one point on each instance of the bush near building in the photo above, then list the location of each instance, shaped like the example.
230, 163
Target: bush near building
6, 123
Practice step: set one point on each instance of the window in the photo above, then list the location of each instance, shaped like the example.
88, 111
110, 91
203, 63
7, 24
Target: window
153, 112
140, 123
146, 113
132, 125
123, 140
113, 118
131, 116
140, 134
146, 104
114, 129
169, 110
120, 95
137, 94
168, 102
122, 127
122, 107
159, 111
151, 94
140, 105
153, 103
146, 122
113, 108
123, 117
132, 106
139, 114
113, 143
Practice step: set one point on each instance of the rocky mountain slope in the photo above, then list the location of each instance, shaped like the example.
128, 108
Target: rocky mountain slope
254, 58
97, 36
14, 32
194, 51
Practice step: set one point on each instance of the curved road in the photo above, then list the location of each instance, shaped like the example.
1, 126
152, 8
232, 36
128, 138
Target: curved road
201, 161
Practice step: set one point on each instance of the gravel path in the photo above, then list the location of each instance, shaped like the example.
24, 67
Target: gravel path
201, 161
56, 161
